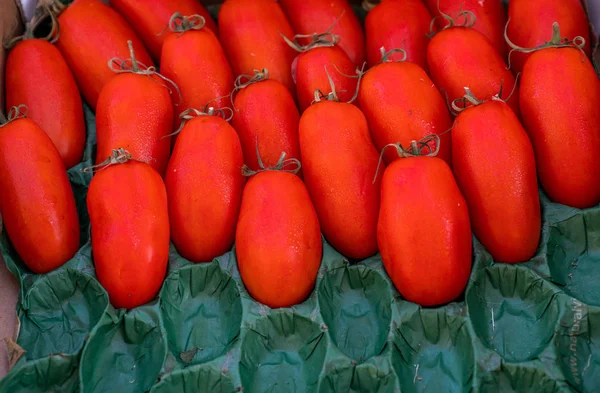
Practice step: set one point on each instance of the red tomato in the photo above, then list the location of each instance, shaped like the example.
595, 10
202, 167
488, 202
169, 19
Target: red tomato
317, 16
92, 33
278, 240
402, 104
265, 113
36, 203
311, 74
340, 162
250, 32
151, 18
195, 61
531, 25
562, 119
135, 113
204, 185
500, 185
461, 57
423, 231
127, 204
50, 93
402, 24
490, 18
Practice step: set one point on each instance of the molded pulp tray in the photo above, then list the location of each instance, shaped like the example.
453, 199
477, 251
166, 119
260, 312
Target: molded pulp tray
533, 327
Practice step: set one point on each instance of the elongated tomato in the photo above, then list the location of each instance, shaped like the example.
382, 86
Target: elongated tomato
402, 104
92, 33
150, 20
36, 203
562, 119
340, 163
204, 185
135, 113
317, 16
461, 57
311, 74
127, 204
278, 240
195, 61
398, 24
250, 32
490, 18
50, 93
265, 113
426, 251
499, 184
531, 25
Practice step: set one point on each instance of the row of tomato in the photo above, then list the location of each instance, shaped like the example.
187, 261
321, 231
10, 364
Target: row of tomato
194, 192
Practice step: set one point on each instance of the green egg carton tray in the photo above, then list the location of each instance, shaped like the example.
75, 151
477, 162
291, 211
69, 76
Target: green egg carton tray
532, 327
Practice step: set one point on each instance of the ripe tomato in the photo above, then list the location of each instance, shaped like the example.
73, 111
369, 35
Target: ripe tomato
500, 185
250, 32
135, 112
196, 62
151, 18
402, 104
461, 57
204, 186
426, 251
265, 114
340, 162
278, 240
562, 119
316, 16
36, 203
531, 22
92, 33
127, 203
50, 93
398, 24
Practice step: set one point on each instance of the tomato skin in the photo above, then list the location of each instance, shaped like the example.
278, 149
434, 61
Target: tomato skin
423, 231
266, 111
92, 33
460, 57
398, 24
151, 18
204, 186
531, 25
278, 240
563, 122
135, 113
490, 18
127, 204
50, 93
195, 61
311, 75
316, 16
250, 32
402, 104
36, 203
340, 163
504, 204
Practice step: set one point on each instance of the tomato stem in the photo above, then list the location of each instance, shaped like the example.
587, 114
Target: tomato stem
180, 24
470, 20
118, 156
281, 164
385, 56
417, 148
134, 63
14, 113
41, 13
555, 42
